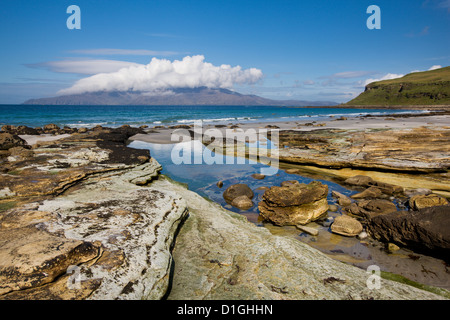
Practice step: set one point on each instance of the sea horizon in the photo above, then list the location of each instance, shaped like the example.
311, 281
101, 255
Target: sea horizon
88, 116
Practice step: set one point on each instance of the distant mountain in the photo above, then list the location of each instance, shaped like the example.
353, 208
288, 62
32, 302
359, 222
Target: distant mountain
180, 96
417, 88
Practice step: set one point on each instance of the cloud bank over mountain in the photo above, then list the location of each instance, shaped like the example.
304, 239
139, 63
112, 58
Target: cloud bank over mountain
162, 74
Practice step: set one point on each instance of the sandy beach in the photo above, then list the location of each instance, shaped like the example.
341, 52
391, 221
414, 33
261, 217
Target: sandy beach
163, 135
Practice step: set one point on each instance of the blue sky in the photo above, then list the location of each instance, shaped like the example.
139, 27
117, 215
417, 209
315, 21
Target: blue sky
308, 50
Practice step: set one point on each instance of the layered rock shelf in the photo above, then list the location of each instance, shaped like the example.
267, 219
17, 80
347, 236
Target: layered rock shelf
85, 217
399, 150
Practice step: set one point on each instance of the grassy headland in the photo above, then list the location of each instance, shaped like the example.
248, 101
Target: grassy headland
417, 88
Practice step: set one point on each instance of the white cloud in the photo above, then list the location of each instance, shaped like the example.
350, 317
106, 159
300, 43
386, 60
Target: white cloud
91, 66
390, 76
109, 51
349, 74
162, 74
435, 67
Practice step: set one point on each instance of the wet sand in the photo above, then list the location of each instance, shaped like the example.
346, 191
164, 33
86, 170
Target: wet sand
164, 135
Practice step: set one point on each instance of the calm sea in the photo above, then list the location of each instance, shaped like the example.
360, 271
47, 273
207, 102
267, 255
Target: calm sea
115, 116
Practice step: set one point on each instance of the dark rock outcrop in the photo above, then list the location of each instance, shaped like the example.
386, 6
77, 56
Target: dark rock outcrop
237, 190
426, 230
8, 141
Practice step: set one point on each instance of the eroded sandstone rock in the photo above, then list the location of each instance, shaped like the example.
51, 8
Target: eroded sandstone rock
237, 190
343, 200
421, 201
107, 237
220, 255
346, 226
294, 204
404, 150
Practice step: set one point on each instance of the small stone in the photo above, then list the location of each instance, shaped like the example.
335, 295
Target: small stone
143, 159
258, 176
391, 247
363, 235
327, 222
219, 184
332, 208
347, 226
309, 230
242, 202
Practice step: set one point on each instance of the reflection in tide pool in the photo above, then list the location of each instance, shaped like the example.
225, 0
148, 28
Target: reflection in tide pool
202, 178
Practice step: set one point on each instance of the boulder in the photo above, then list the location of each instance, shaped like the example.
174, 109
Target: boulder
425, 230
242, 202
237, 190
371, 208
51, 128
8, 141
353, 209
8, 128
26, 130
346, 226
294, 204
421, 201
219, 255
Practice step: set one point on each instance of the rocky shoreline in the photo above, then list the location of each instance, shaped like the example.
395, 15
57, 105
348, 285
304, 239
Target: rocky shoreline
86, 217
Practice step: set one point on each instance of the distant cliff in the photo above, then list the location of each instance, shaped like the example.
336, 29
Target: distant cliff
418, 88
179, 96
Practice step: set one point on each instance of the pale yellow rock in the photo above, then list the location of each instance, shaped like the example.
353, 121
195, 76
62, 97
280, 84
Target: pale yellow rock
346, 226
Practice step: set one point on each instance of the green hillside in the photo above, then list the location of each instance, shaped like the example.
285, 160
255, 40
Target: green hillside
418, 88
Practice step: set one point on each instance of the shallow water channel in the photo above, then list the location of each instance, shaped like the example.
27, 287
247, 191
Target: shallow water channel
202, 178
